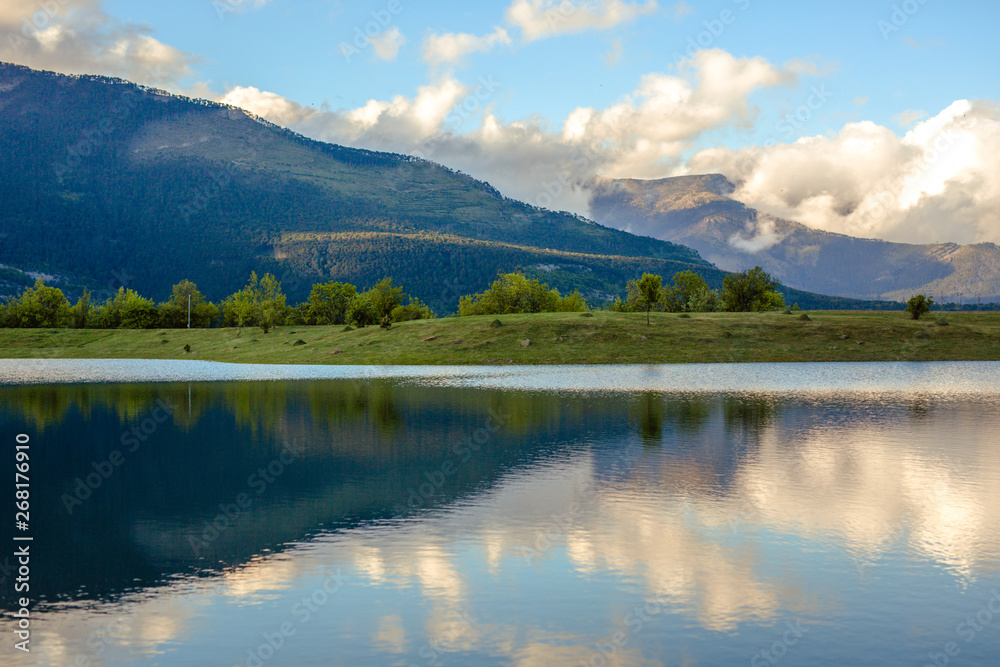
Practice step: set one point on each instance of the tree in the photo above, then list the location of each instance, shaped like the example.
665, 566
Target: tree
361, 312
511, 293
80, 313
572, 303
384, 297
690, 293
414, 310
329, 303
751, 290
270, 303
39, 307
239, 307
259, 302
174, 312
127, 309
919, 305
646, 293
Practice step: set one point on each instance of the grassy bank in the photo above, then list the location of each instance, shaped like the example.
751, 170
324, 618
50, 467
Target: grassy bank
556, 338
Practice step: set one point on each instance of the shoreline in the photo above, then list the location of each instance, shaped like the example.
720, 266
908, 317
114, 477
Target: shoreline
603, 338
813, 378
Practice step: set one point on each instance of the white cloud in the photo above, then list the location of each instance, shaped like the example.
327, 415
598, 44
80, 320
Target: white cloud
539, 19
77, 37
387, 44
937, 183
640, 136
453, 47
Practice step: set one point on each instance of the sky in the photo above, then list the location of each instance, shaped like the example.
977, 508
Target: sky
870, 118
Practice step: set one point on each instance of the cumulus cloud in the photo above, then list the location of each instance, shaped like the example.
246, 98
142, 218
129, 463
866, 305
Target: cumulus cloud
538, 19
937, 183
643, 135
388, 43
453, 47
77, 37
764, 236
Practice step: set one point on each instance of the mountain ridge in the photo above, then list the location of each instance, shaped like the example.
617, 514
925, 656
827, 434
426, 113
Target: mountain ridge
110, 184
697, 211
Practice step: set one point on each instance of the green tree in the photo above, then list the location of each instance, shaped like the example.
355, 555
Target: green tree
174, 312
511, 293
260, 302
384, 297
646, 292
361, 312
572, 303
329, 303
127, 309
414, 310
80, 313
919, 305
270, 303
751, 290
690, 293
39, 307
239, 308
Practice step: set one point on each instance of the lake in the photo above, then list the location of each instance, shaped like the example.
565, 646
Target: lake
189, 513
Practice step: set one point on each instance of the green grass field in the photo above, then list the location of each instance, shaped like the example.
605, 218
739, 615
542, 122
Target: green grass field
556, 338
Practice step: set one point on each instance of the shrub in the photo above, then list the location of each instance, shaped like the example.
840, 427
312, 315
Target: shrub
919, 305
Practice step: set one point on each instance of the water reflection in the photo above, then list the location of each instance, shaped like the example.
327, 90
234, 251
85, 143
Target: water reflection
447, 525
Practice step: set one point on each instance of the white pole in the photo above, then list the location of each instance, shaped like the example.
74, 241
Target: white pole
189, 311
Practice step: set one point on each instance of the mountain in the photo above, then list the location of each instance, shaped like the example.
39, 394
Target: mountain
104, 183
698, 211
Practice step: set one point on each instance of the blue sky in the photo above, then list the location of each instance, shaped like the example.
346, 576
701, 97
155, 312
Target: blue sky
893, 76
942, 53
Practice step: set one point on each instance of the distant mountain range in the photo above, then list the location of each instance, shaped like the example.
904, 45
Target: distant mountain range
697, 211
105, 183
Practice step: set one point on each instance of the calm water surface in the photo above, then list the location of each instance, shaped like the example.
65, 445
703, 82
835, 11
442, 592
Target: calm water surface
842, 514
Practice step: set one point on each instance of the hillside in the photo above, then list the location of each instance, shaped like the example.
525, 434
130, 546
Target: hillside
697, 211
104, 182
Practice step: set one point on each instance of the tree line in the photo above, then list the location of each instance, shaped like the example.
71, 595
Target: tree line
260, 303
